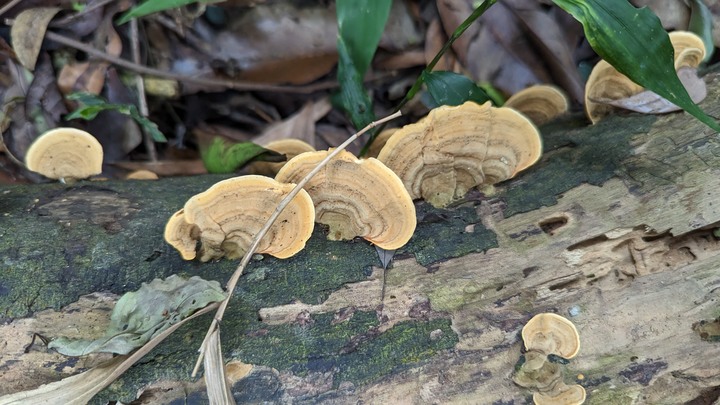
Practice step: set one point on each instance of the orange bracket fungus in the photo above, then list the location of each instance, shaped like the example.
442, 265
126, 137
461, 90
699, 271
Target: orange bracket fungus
455, 148
65, 154
551, 334
226, 217
543, 335
607, 89
289, 147
356, 197
541, 103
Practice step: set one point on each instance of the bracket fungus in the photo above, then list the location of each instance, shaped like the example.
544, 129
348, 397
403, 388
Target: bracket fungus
455, 148
606, 87
356, 197
543, 335
65, 154
541, 103
563, 395
227, 216
551, 334
289, 147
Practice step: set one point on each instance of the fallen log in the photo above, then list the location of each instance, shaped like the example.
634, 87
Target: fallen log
615, 229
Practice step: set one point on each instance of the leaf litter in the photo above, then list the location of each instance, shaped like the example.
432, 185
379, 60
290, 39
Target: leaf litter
508, 50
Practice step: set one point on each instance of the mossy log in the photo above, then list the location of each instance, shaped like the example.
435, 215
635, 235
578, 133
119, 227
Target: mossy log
615, 229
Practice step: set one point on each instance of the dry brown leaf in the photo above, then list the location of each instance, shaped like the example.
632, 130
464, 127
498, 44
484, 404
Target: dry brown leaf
28, 32
300, 125
648, 102
84, 76
673, 14
80, 388
249, 48
435, 38
218, 389
550, 41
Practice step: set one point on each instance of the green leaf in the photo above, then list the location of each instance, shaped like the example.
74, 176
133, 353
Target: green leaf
448, 88
701, 24
633, 41
218, 157
360, 25
141, 315
154, 6
352, 98
91, 105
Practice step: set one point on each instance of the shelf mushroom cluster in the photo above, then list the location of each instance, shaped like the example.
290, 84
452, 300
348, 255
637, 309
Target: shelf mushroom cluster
439, 158
354, 197
544, 335
456, 148
606, 87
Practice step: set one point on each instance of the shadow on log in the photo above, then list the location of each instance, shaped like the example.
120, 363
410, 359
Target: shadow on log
615, 229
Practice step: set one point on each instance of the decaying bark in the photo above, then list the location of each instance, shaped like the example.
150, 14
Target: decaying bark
614, 229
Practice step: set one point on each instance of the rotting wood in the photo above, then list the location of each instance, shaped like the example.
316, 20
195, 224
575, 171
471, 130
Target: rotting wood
614, 226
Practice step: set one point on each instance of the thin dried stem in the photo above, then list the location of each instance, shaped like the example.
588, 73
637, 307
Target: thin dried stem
8, 6
137, 68
258, 237
140, 86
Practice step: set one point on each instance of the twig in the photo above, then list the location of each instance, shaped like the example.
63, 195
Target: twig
256, 240
8, 6
226, 83
140, 85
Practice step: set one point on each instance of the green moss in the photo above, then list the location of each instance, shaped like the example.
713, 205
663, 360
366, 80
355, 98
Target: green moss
353, 348
584, 155
607, 394
440, 234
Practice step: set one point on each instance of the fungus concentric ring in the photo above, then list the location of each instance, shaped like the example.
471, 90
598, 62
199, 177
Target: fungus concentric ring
356, 197
227, 216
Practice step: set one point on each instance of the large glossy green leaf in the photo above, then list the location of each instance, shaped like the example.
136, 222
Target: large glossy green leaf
634, 42
360, 25
449, 88
140, 315
352, 97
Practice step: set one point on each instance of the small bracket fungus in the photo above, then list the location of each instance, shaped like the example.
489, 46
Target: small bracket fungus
380, 141
543, 335
288, 147
356, 197
606, 86
65, 154
227, 216
551, 334
541, 103
565, 395
455, 148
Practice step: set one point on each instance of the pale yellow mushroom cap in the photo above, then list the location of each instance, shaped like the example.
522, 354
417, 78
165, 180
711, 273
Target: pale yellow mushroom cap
606, 83
541, 103
455, 148
65, 153
551, 334
182, 235
689, 49
568, 395
356, 197
142, 175
227, 216
289, 147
